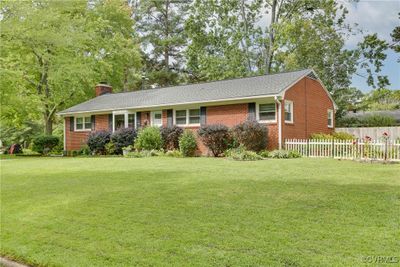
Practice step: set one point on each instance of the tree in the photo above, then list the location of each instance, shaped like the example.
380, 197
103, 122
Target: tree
160, 24
382, 99
224, 39
52, 53
298, 34
396, 40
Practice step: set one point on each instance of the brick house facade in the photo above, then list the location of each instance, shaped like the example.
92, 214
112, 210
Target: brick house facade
303, 108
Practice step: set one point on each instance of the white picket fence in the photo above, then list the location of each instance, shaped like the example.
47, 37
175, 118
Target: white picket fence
346, 149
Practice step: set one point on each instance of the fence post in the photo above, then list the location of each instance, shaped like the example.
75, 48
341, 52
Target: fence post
386, 148
333, 148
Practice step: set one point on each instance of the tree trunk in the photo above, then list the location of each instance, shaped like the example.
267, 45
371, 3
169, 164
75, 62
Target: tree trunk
270, 52
166, 32
48, 123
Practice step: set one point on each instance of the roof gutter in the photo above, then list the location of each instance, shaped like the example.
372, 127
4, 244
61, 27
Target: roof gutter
205, 103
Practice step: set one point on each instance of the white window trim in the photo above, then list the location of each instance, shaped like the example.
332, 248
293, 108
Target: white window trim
291, 111
258, 113
83, 121
187, 118
152, 113
330, 113
125, 113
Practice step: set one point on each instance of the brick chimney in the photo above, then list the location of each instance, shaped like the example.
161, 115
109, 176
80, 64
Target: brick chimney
103, 88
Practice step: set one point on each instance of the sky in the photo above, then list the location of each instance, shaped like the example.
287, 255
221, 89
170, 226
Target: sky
381, 17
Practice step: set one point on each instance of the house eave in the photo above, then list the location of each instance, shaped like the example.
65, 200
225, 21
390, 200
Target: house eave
169, 105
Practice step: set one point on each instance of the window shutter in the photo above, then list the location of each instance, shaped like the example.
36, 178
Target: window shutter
252, 111
93, 120
71, 124
203, 116
138, 119
170, 120
110, 124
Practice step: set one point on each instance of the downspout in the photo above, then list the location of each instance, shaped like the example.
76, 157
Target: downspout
65, 138
277, 100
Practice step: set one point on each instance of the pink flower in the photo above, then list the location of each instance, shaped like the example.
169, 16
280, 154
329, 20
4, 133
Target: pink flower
385, 134
368, 138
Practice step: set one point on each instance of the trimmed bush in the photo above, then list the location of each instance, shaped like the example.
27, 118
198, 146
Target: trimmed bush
251, 134
284, 154
335, 135
240, 153
43, 144
174, 154
97, 141
149, 138
110, 148
216, 137
187, 143
170, 136
123, 138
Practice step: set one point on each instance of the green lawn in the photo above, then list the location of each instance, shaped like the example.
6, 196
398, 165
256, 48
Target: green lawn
198, 212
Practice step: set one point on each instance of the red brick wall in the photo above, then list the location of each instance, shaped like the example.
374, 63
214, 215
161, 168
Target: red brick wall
310, 110
75, 140
229, 115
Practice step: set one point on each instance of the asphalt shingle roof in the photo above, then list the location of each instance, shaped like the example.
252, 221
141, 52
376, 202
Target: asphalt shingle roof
272, 84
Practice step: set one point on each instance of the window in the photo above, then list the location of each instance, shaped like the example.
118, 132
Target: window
119, 121
187, 117
83, 123
267, 112
180, 117
123, 119
131, 121
330, 118
194, 116
156, 118
288, 111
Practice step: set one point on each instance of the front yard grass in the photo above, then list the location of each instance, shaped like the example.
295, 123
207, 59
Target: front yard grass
198, 212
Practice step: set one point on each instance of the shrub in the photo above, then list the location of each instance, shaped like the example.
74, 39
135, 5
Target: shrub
110, 148
284, 154
174, 153
149, 138
216, 137
264, 153
251, 134
378, 121
144, 153
122, 138
97, 141
170, 136
85, 150
43, 144
187, 143
335, 135
240, 153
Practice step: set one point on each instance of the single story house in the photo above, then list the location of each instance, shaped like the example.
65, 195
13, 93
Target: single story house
291, 105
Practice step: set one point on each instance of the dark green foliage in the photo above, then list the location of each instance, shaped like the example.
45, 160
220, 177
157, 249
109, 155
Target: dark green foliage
375, 120
284, 154
123, 138
188, 144
149, 138
251, 134
170, 136
43, 144
216, 137
97, 141
335, 135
